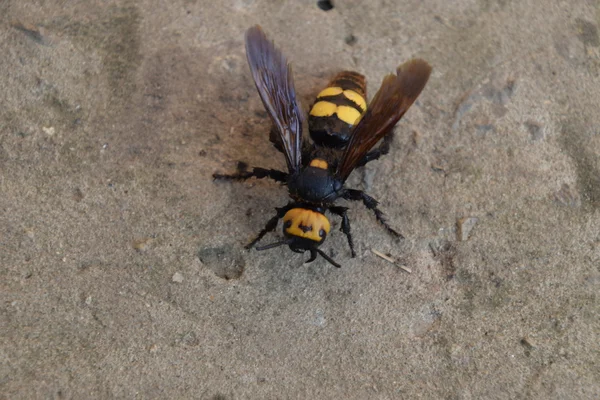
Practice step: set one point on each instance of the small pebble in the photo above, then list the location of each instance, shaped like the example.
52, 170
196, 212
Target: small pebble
177, 277
528, 343
567, 197
464, 227
142, 244
48, 131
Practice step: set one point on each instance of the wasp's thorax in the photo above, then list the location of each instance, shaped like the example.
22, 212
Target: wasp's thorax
314, 183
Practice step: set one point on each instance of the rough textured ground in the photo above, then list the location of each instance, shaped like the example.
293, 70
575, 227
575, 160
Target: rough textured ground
123, 273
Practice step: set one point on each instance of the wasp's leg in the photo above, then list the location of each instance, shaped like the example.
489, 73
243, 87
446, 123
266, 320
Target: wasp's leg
242, 174
313, 256
343, 212
371, 204
271, 225
382, 150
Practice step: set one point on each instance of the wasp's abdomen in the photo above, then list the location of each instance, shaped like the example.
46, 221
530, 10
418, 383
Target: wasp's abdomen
338, 109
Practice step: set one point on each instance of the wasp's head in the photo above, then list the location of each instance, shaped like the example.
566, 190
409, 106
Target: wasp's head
305, 230
310, 227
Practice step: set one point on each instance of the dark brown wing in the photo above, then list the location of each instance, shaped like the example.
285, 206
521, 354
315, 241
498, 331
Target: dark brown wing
273, 77
392, 100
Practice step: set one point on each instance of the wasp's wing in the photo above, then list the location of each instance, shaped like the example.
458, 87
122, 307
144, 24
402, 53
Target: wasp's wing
273, 78
394, 97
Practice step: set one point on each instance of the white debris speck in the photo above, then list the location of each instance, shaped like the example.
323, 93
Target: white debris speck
177, 277
319, 318
48, 130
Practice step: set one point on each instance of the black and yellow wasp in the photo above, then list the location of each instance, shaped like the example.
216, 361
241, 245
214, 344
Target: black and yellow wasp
343, 132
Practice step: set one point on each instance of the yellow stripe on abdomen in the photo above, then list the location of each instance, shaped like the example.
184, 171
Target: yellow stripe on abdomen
323, 109
356, 99
348, 114
330, 91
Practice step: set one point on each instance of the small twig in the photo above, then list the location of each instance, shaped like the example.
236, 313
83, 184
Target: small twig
387, 258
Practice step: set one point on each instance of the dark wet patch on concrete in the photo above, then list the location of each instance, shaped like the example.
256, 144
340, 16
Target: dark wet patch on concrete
226, 262
115, 35
573, 141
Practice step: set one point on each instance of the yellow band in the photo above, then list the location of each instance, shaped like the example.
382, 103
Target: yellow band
330, 91
356, 99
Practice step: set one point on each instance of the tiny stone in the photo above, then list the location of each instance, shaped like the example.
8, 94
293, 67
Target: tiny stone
527, 343
325, 5
177, 277
190, 339
567, 196
48, 131
142, 244
30, 233
464, 227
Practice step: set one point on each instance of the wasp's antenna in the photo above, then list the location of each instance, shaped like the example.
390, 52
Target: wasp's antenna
325, 256
273, 245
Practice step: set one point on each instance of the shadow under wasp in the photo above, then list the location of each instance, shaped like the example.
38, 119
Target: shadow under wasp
343, 133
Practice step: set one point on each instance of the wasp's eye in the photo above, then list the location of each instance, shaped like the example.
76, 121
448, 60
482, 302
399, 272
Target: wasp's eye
287, 224
322, 233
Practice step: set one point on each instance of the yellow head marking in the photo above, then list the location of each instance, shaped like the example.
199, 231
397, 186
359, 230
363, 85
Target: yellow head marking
330, 91
318, 163
356, 99
347, 114
323, 109
307, 224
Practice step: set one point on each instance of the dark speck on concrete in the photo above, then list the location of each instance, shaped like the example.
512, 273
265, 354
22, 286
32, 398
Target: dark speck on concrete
325, 5
535, 130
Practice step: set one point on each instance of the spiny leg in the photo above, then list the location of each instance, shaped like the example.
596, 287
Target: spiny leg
242, 174
343, 212
382, 150
270, 226
371, 204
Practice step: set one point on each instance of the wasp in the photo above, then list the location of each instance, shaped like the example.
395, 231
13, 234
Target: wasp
343, 134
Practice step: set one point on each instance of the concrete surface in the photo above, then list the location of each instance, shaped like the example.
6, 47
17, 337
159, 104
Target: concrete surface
123, 273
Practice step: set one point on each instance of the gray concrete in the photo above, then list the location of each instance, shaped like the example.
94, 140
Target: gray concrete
123, 273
